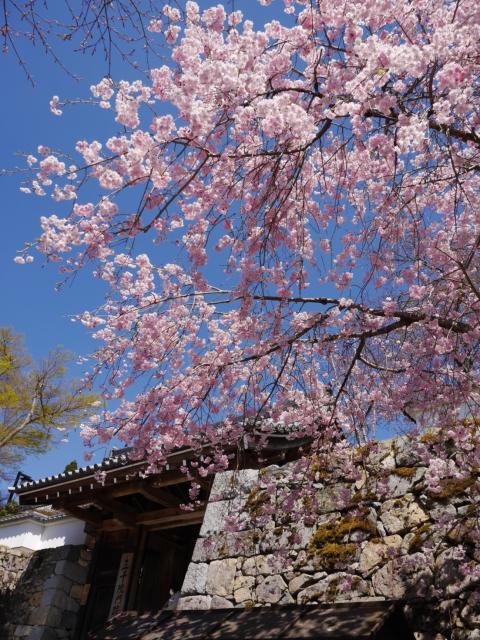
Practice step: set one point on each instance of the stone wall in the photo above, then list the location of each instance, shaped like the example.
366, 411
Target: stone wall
384, 535
41, 592
13, 563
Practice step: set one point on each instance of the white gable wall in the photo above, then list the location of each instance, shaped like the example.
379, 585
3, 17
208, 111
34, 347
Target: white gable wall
41, 535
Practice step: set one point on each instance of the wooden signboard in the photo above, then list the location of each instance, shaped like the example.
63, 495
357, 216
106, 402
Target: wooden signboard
121, 585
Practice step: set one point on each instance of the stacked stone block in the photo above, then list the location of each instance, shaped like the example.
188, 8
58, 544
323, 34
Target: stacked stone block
41, 598
378, 537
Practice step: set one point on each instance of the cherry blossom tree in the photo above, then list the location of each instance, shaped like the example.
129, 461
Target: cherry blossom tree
112, 29
303, 247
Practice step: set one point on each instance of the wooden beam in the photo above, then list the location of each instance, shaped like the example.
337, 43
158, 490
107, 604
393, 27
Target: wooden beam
173, 514
162, 514
114, 524
117, 491
173, 524
122, 512
125, 488
165, 479
168, 478
101, 493
83, 514
160, 496
106, 502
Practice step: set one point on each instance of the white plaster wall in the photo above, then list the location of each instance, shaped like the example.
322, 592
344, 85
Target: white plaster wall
26, 533
35, 535
57, 534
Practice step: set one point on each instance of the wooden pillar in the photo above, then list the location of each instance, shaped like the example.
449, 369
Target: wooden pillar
137, 566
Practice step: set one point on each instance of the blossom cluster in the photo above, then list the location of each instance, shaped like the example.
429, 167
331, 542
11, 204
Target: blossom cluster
318, 181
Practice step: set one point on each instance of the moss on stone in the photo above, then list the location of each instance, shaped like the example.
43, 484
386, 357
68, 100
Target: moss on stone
334, 532
419, 537
356, 498
365, 449
315, 464
324, 533
429, 437
333, 589
333, 553
257, 499
453, 487
405, 472
363, 496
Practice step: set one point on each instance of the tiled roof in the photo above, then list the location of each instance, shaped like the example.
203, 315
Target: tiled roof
118, 458
346, 621
279, 438
40, 514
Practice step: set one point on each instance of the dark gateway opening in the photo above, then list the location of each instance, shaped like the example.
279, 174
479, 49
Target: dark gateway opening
136, 571
165, 562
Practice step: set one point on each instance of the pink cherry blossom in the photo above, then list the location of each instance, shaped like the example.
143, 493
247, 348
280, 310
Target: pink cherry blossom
303, 250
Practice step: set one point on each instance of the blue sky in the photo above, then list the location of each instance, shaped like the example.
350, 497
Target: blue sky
31, 304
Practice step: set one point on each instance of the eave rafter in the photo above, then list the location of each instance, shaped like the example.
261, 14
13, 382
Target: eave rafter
106, 507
